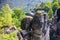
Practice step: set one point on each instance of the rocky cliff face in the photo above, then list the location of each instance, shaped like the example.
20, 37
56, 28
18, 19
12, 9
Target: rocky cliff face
39, 26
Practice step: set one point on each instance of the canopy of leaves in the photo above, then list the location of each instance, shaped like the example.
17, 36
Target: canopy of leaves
18, 15
10, 16
6, 15
50, 13
11, 36
50, 7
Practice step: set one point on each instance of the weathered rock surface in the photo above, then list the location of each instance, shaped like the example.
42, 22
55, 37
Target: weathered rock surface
40, 26
25, 22
37, 27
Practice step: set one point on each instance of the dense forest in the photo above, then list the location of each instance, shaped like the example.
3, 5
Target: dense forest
9, 17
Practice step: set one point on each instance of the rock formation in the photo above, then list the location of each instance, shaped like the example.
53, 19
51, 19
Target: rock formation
40, 26
37, 27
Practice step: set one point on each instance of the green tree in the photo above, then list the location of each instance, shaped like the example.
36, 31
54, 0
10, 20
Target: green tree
50, 7
18, 15
55, 5
45, 6
48, 4
55, 1
50, 13
7, 14
42, 5
1, 19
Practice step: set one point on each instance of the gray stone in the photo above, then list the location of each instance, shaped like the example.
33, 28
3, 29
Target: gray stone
25, 22
40, 27
25, 25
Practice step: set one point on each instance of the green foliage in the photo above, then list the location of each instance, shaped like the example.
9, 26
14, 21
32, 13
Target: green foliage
55, 1
42, 5
11, 36
10, 16
55, 5
16, 22
52, 38
18, 15
1, 21
50, 13
46, 6
50, 7
7, 15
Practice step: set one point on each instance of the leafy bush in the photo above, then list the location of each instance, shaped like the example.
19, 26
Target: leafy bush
7, 15
18, 15
11, 36
50, 13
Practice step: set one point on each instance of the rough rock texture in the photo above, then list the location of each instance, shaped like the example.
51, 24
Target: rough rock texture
55, 26
25, 22
40, 27
25, 25
37, 26
58, 31
55, 29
